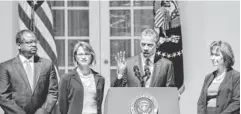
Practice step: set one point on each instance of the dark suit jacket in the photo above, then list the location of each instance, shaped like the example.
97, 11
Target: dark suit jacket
228, 94
71, 93
16, 95
163, 74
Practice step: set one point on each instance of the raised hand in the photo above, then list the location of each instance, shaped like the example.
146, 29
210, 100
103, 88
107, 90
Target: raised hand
121, 63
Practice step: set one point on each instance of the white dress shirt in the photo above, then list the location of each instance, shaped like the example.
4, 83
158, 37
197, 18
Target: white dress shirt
24, 60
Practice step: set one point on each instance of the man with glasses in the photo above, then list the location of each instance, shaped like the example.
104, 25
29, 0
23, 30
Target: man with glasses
143, 70
28, 83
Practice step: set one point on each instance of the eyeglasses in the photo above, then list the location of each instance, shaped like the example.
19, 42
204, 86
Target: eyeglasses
82, 54
30, 42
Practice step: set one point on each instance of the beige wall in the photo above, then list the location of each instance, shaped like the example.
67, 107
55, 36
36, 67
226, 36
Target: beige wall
202, 22
8, 28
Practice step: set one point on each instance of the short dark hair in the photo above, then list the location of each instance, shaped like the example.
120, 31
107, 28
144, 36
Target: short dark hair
226, 51
19, 35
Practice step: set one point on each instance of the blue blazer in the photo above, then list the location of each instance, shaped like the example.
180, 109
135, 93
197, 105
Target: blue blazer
228, 94
71, 93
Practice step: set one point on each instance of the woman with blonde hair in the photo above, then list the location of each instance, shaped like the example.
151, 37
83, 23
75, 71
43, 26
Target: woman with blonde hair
81, 90
221, 89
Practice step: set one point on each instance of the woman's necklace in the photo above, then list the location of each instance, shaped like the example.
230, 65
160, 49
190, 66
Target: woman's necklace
86, 79
220, 77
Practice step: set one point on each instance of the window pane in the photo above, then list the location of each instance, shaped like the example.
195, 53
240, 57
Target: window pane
78, 3
61, 52
70, 70
137, 47
143, 19
78, 23
58, 17
119, 3
113, 76
71, 44
143, 3
120, 23
117, 46
56, 3
61, 72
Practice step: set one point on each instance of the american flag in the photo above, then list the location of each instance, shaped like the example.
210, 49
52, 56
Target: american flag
168, 25
37, 16
162, 17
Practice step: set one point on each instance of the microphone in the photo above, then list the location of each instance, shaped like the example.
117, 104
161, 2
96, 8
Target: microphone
147, 72
137, 71
138, 75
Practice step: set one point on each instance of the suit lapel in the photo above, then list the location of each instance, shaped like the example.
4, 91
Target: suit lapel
227, 75
139, 64
76, 76
209, 81
37, 69
21, 71
156, 70
96, 80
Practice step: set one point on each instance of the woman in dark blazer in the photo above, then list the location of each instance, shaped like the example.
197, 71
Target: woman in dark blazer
81, 91
221, 89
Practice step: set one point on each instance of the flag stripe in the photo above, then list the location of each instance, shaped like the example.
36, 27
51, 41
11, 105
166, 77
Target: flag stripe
42, 15
40, 48
25, 19
46, 8
39, 24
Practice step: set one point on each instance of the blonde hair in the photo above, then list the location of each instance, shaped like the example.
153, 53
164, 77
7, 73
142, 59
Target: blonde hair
226, 50
87, 47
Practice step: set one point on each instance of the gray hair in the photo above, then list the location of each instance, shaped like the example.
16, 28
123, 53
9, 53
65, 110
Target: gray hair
151, 33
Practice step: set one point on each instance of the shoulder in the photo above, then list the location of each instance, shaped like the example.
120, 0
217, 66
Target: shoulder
43, 60
235, 74
10, 61
209, 75
70, 74
164, 61
66, 77
7, 64
98, 75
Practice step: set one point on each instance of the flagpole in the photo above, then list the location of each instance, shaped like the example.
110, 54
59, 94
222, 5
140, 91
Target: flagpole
32, 26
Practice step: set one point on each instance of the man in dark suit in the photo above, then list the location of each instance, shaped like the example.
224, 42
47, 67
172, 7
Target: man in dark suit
28, 83
143, 70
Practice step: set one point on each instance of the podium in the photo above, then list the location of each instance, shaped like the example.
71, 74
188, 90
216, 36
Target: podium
138, 100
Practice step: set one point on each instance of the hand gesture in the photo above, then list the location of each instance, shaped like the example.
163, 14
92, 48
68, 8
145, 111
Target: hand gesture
121, 63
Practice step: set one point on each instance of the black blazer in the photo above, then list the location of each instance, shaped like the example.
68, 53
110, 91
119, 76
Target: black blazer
16, 95
71, 93
163, 73
228, 93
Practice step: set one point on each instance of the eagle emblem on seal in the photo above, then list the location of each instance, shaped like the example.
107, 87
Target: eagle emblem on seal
144, 105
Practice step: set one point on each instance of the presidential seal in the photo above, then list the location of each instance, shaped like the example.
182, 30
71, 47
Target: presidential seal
144, 105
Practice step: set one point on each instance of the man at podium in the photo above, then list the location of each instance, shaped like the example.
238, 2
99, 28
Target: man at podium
143, 70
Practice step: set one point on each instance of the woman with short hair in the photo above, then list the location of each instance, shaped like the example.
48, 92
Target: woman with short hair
221, 89
81, 90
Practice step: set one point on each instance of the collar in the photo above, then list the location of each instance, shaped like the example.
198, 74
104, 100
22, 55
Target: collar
151, 58
24, 59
